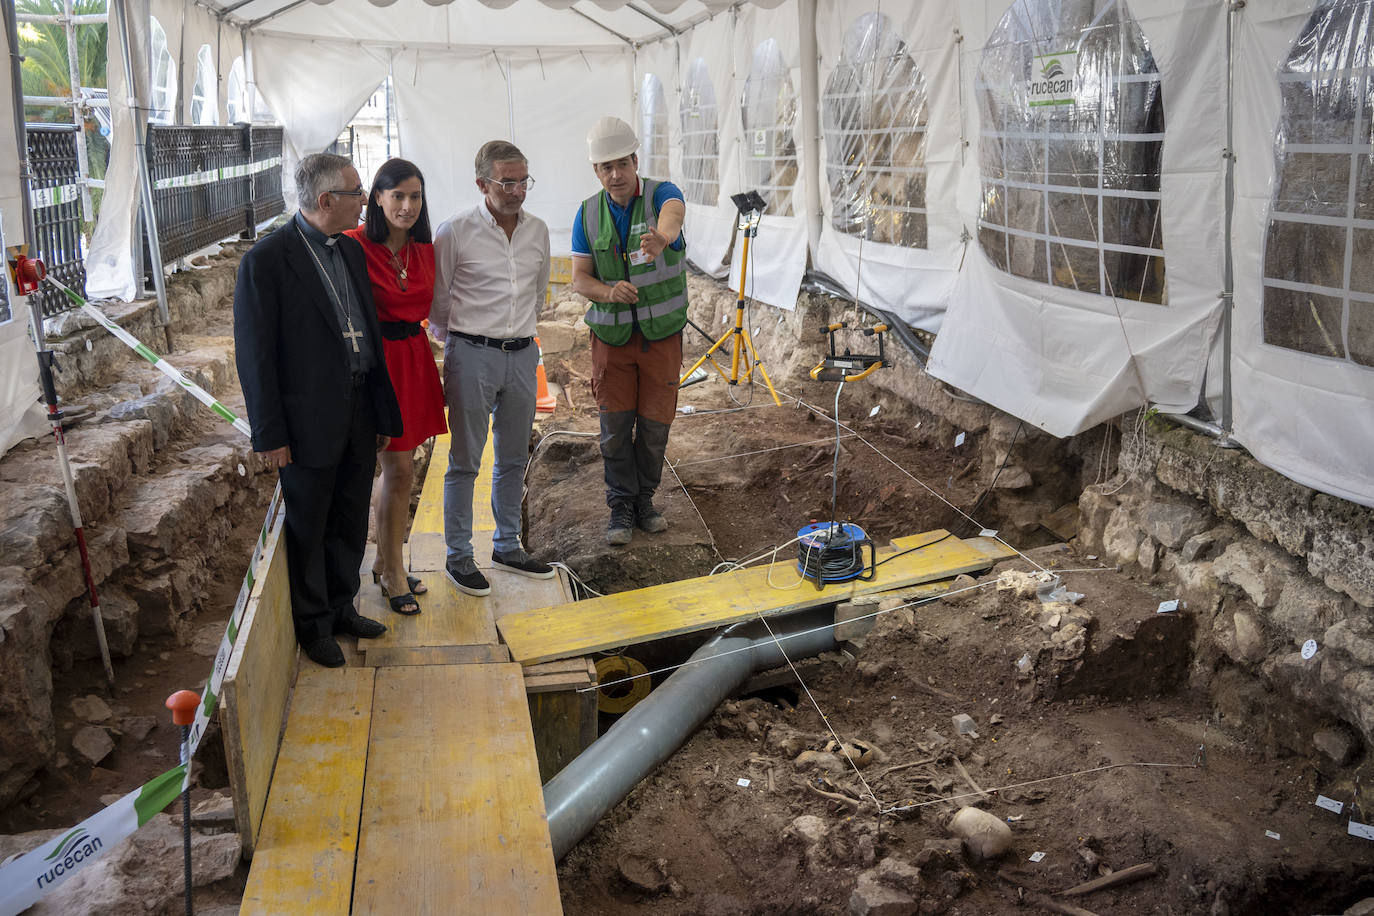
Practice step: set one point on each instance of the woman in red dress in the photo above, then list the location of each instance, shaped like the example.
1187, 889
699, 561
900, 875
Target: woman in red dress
400, 263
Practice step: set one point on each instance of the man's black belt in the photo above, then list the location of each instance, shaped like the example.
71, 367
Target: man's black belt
400, 330
496, 343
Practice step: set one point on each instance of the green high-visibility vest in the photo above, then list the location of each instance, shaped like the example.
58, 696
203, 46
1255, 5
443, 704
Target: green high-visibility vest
662, 283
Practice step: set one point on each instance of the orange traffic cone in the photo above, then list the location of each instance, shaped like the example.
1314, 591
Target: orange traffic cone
543, 401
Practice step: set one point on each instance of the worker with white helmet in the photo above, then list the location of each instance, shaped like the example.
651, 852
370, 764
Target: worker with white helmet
628, 259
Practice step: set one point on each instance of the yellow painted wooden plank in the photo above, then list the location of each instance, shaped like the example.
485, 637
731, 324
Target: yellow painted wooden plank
453, 811
257, 683
380, 656
447, 618
304, 860
694, 604
429, 514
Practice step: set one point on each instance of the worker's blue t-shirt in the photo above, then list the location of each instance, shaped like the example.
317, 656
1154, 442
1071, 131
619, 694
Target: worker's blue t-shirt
665, 191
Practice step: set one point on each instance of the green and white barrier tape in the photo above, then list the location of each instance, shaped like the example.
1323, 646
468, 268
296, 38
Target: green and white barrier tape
158, 362
51, 197
34, 874
210, 176
31, 876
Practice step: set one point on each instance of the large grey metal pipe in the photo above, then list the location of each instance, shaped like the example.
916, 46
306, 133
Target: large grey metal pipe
603, 774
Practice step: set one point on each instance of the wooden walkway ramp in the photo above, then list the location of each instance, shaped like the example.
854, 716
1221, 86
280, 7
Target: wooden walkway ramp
407, 782
713, 601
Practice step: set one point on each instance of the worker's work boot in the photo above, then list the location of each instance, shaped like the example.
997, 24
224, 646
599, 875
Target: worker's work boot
649, 518
622, 524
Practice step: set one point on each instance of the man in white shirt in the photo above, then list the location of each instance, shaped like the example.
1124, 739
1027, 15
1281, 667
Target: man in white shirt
491, 272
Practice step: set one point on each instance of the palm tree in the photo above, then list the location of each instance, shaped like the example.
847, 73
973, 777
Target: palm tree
45, 71
44, 46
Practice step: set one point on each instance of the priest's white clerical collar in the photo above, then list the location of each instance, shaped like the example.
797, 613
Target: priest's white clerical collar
315, 235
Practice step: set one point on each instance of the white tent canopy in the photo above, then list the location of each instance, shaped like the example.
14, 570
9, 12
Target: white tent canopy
1043, 182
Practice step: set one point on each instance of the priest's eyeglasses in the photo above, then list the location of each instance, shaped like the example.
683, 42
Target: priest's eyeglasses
356, 192
510, 187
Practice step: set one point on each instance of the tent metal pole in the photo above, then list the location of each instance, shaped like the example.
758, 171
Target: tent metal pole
589, 19
1228, 282
810, 100
78, 117
145, 181
45, 356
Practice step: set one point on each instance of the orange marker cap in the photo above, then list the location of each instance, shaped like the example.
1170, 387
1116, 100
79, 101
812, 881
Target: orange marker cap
183, 705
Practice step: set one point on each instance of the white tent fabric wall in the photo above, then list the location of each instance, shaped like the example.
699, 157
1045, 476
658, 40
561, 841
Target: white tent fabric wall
913, 283
1066, 360
315, 88
777, 255
110, 261
20, 414
188, 25
451, 102
711, 226
1303, 413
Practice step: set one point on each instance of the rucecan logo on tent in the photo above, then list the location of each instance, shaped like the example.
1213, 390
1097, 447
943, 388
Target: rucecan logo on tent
1052, 79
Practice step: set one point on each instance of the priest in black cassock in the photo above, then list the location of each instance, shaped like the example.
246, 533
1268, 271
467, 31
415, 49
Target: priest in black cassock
309, 354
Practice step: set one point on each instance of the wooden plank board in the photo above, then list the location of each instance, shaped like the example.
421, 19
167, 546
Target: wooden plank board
304, 859
695, 604
453, 811
427, 529
380, 656
256, 687
447, 618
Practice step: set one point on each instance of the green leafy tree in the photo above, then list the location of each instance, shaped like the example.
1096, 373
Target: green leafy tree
45, 71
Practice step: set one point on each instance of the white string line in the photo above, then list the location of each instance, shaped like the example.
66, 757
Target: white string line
1031, 782
670, 668
918, 480
820, 712
691, 502
917, 602
761, 451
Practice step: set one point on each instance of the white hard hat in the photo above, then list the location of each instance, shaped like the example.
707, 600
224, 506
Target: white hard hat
610, 139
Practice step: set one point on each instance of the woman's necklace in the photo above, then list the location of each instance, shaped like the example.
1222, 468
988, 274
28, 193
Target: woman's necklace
402, 270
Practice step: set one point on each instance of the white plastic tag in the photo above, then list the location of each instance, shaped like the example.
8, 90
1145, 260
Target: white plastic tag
742, 782
874, 411
988, 533
1330, 804
1363, 831
958, 440
1168, 607
1309, 648
1037, 856
1271, 834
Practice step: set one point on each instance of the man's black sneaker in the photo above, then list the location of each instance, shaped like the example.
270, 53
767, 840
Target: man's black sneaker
463, 574
517, 561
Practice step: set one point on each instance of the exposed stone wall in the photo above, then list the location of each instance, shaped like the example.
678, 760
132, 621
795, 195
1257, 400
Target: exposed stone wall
1265, 564
158, 481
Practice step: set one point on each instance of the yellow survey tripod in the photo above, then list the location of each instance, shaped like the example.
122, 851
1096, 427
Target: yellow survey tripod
751, 207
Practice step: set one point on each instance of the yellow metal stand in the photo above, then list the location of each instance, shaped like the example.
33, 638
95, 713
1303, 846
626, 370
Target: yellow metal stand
742, 350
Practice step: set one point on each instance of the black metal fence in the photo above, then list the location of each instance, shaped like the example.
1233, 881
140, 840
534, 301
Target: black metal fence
210, 183
56, 201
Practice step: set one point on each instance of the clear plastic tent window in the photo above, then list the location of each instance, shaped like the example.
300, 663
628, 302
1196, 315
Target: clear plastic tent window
236, 96
164, 77
769, 114
1073, 135
653, 128
700, 143
204, 97
1319, 247
874, 111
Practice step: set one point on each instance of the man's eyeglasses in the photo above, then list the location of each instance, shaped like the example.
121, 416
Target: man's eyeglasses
510, 187
356, 192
